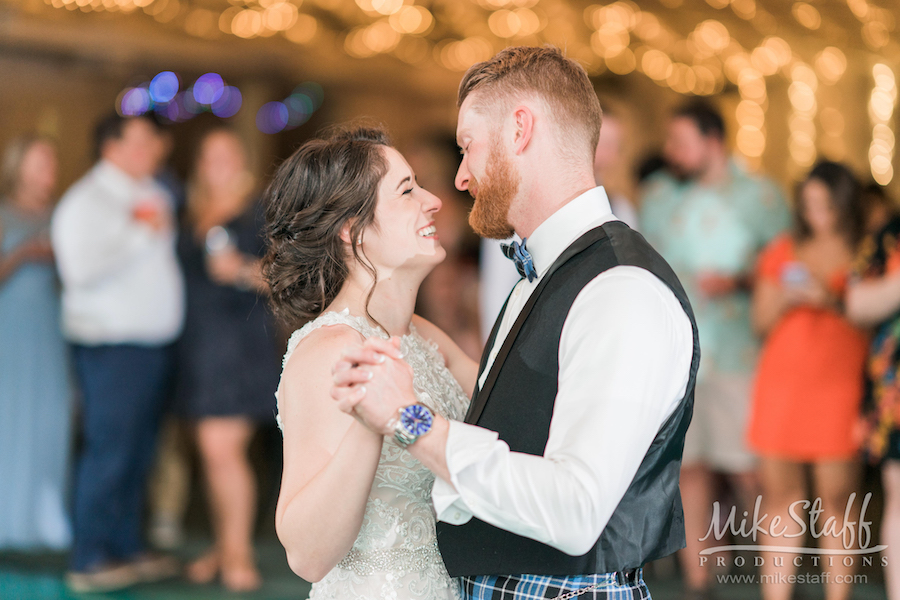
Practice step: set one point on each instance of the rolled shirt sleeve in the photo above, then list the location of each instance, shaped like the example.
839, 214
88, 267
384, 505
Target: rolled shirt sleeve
624, 359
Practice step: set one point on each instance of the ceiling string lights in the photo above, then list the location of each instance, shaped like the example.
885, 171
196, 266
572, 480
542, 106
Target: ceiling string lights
620, 37
801, 123
881, 112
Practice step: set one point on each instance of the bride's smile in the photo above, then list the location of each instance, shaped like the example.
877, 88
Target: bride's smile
403, 236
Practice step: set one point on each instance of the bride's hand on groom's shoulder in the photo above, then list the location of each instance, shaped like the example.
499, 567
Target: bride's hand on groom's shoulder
372, 382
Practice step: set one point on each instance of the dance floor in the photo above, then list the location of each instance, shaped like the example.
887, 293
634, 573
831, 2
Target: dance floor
40, 577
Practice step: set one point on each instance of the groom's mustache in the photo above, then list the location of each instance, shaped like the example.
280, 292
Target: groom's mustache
473, 187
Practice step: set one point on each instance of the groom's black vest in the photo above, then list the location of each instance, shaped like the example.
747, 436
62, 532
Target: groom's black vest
517, 402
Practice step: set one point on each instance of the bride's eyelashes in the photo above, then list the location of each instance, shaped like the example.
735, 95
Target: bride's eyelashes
415, 182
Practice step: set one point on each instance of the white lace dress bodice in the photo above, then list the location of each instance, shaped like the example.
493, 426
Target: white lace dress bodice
395, 555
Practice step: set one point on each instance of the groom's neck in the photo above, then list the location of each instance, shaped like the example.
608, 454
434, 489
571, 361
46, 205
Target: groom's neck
545, 193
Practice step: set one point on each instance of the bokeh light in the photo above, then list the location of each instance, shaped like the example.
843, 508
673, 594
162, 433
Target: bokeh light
313, 91
300, 109
801, 123
163, 87
807, 15
280, 16
208, 88
190, 104
303, 31
134, 101
229, 103
174, 111
882, 101
272, 117
831, 64
460, 55
413, 20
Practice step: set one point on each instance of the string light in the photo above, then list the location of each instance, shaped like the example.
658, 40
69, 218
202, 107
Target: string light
881, 111
620, 37
807, 15
801, 124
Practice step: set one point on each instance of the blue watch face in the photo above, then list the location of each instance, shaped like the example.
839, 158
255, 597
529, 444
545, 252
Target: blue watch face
416, 419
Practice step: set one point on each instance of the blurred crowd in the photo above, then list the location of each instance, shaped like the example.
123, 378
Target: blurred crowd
135, 338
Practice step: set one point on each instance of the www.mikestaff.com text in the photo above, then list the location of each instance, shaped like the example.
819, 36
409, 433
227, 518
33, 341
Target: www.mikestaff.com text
798, 578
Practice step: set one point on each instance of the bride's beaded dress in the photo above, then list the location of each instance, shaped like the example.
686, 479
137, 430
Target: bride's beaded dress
395, 555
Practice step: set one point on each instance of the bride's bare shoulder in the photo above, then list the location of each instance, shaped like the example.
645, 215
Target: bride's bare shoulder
321, 347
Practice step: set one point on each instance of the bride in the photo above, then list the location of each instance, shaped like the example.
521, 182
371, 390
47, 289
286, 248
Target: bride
351, 237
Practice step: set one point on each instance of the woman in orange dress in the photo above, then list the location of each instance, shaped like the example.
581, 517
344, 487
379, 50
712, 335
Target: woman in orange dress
810, 379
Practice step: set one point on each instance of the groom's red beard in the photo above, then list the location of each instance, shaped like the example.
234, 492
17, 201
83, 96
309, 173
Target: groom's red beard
490, 212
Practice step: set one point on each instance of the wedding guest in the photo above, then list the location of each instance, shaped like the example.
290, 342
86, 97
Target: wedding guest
873, 300
879, 208
228, 365
35, 390
709, 219
810, 378
170, 477
607, 159
123, 307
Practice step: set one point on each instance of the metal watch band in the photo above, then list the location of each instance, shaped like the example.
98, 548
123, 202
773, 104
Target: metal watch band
403, 437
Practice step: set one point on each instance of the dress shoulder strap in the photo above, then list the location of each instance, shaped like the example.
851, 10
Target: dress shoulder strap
324, 320
331, 318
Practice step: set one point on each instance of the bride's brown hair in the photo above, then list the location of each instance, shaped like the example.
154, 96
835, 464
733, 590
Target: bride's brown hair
326, 183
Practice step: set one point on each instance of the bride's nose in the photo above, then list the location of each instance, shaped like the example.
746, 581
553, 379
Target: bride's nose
431, 203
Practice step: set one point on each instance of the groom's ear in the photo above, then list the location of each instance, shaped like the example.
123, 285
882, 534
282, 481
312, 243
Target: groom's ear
523, 121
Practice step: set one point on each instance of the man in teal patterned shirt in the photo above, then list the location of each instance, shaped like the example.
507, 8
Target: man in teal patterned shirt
709, 219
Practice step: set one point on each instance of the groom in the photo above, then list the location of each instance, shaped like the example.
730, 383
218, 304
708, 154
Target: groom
563, 479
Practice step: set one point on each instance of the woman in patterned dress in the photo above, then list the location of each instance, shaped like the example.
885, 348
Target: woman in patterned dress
351, 237
873, 299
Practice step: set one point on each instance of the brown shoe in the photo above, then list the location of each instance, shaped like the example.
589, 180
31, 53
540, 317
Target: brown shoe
106, 578
151, 567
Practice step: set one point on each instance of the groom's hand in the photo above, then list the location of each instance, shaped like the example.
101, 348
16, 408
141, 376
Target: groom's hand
372, 382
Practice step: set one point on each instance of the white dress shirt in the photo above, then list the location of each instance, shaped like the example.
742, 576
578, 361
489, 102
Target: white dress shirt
121, 280
624, 362
497, 276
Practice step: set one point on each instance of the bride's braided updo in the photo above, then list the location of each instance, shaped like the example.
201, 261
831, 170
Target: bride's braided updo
326, 183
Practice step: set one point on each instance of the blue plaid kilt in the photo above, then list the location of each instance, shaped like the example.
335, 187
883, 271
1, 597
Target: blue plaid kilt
627, 585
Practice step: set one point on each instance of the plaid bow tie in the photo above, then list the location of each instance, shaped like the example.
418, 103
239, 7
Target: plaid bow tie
517, 253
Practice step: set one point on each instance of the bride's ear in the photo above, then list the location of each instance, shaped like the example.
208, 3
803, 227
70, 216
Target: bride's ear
345, 233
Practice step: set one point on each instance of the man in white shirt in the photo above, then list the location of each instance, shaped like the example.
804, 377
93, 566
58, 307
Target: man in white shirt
113, 236
563, 481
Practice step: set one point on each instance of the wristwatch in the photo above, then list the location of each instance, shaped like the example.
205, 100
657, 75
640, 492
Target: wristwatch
415, 420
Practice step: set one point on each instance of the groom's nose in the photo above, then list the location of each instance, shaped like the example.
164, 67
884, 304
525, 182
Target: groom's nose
463, 175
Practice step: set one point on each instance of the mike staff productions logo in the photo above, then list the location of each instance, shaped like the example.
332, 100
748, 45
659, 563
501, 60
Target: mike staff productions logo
805, 518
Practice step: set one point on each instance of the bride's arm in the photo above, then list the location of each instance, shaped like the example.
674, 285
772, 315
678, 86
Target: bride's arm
463, 368
329, 459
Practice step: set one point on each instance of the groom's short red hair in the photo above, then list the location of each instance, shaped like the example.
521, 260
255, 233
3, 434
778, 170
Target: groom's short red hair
544, 71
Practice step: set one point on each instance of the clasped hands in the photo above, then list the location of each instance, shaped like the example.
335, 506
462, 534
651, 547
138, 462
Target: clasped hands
372, 383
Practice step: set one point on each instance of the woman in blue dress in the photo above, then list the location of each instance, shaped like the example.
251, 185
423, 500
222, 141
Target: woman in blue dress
35, 392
